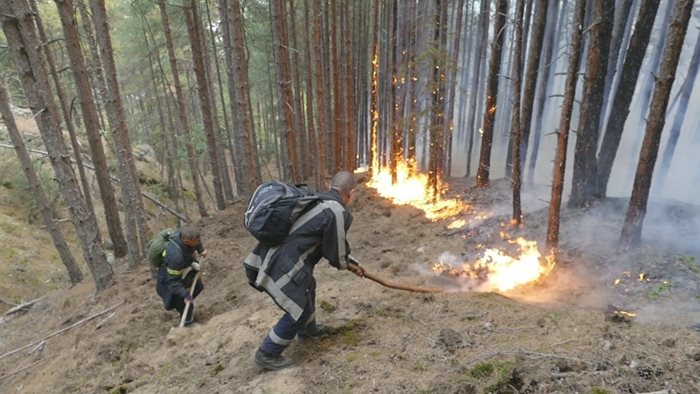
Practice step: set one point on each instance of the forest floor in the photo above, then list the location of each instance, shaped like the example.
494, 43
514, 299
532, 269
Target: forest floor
567, 333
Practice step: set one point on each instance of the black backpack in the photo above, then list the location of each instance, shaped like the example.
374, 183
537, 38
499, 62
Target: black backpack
273, 209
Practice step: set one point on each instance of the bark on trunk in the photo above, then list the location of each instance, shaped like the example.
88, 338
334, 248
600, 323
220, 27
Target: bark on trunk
625, 90
195, 36
516, 129
19, 28
585, 172
42, 200
134, 215
482, 174
632, 229
92, 125
564, 126
182, 111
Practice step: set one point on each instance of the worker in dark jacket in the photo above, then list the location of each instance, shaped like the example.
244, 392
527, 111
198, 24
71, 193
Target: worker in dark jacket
285, 272
178, 255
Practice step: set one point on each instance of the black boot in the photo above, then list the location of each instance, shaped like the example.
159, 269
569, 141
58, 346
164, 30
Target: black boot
272, 362
314, 330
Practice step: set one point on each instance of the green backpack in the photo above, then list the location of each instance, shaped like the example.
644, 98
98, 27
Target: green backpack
157, 245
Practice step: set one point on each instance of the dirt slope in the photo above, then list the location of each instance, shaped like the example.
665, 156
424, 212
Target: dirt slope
554, 336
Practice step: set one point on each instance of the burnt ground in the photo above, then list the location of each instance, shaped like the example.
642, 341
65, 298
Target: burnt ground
565, 334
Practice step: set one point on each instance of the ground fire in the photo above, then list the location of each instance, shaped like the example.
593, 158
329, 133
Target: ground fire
495, 270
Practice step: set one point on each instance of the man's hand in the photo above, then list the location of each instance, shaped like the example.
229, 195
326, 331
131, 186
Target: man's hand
356, 269
195, 266
204, 253
188, 298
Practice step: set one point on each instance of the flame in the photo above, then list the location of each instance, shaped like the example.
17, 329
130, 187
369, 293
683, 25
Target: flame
457, 224
500, 272
411, 188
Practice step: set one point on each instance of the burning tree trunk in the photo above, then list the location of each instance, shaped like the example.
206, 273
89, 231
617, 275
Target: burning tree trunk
182, 110
134, 211
482, 174
204, 99
374, 99
42, 200
564, 126
625, 89
438, 102
19, 28
92, 125
284, 80
396, 134
632, 230
516, 129
585, 166
681, 113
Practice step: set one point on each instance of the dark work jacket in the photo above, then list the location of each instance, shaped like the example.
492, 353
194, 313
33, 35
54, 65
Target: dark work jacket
176, 258
285, 271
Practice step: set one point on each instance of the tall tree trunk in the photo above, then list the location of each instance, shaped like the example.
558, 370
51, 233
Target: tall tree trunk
437, 120
632, 229
564, 127
191, 16
482, 174
182, 111
134, 211
284, 80
374, 99
516, 129
237, 69
392, 107
302, 137
226, 186
476, 79
680, 115
622, 14
310, 112
449, 124
350, 155
531, 75
318, 95
585, 172
337, 97
19, 28
65, 110
92, 125
546, 69
625, 90
42, 200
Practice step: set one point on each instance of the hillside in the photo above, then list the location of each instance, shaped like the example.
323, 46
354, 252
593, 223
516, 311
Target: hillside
565, 333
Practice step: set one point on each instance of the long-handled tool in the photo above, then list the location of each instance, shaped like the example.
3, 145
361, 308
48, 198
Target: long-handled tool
188, 304
390, 284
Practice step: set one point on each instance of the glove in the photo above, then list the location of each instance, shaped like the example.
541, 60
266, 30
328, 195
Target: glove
188, 298
195, 266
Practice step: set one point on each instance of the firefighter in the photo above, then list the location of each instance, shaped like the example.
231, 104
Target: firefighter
285, 272
178, 255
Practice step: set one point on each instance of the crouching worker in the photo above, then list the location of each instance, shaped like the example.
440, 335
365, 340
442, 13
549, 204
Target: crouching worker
285, 271
178, 255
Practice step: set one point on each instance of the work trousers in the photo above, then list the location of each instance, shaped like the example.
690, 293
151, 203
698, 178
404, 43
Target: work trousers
283, 333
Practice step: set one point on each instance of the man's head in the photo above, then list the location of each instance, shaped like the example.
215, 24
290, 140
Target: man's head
190, 236
344, 183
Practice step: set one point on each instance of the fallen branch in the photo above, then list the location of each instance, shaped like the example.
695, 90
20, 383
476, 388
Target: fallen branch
22, 307
87, 319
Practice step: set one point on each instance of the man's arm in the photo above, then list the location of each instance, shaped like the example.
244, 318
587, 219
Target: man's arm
334, 246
